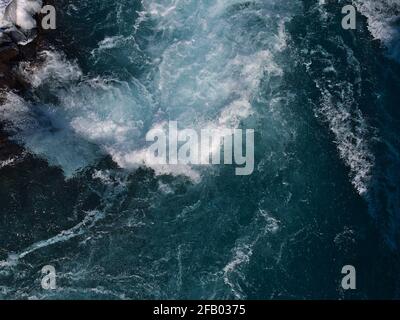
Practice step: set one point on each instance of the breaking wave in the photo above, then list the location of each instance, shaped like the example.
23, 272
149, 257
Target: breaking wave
383, 22
205, 72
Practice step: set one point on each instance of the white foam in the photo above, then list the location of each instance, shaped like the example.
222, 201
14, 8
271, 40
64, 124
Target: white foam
54, 67
3, 19
244, 250
241, 255
7, 163
11, 161
351, 131
88, 222
383, 22
208, 77
340, 110
53, 141
21, 12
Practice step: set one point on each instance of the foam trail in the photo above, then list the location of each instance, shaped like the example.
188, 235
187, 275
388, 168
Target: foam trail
89, 221
339, 107
383, 22
263, 225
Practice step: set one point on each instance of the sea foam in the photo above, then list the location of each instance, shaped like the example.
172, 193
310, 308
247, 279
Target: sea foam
383, 22
19, 13
204, 73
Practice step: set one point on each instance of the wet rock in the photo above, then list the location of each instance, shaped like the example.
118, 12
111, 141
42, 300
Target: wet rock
8, 52
5, 39
7, 78
18, 36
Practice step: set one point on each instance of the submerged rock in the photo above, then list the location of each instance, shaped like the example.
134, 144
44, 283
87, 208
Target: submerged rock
18, 36
4, 39
8, 51
15, 45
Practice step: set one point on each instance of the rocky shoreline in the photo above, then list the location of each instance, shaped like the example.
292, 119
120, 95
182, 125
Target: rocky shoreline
10, 54
15, 46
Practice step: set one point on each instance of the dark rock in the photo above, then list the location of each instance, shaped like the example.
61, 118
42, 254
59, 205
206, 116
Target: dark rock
8, 149
17, 36
8, 53
7, 77
15, 46
4, 39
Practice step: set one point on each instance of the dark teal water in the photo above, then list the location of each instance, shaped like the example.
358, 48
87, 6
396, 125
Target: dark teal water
325, 192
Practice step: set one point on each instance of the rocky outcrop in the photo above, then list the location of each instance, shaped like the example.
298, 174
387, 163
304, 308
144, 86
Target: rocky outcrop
15, 46
9, 52
8, 48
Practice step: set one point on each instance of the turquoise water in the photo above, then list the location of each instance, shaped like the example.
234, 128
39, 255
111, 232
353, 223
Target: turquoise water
324, 194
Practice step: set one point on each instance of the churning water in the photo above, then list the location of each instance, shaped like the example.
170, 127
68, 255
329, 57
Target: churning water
323, 102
